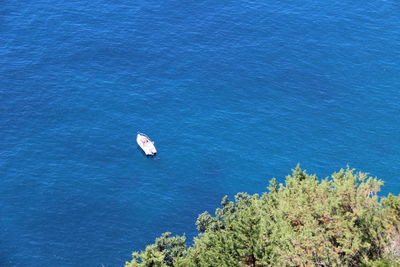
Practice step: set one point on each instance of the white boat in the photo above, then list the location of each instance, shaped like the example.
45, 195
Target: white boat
146, 144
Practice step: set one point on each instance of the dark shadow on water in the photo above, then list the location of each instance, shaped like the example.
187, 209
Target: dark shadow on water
312, 87
5, 260
213, 169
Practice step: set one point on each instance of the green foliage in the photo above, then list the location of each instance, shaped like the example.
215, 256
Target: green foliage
336, 221
225, 215
162, 253
381, 263
392, 221
151, 257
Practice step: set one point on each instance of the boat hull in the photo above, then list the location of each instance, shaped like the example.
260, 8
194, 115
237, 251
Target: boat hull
146, 144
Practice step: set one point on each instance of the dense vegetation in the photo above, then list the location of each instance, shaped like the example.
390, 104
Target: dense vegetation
337, 221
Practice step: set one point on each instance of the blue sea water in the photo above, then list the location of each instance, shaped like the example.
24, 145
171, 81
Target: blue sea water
233, 93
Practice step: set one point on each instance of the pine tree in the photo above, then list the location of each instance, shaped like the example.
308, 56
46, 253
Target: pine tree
336, 221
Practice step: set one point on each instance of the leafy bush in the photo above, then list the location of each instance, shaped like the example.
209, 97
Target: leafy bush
336, 221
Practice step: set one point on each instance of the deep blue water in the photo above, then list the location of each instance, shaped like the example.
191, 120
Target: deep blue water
233, 92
